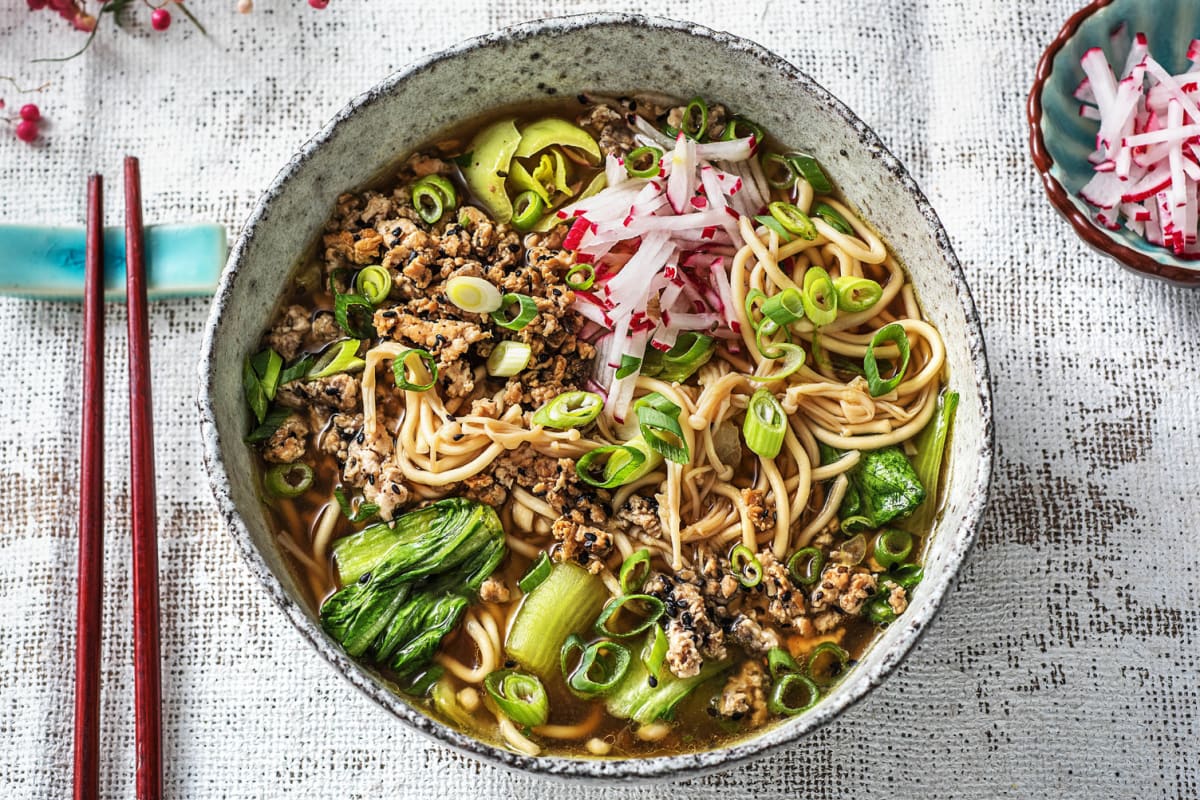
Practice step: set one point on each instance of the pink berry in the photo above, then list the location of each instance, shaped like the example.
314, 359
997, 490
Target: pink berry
27, 130
30, 112
160, 20
318, 3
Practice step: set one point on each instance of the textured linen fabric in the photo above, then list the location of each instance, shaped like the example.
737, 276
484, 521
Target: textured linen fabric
1065, 662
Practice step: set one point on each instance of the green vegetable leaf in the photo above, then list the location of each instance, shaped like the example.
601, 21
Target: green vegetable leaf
271, 422
883, 487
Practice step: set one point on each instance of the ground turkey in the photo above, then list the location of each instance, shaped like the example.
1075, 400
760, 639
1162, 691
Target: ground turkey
745, 694
287, 443
583, 544
847, 588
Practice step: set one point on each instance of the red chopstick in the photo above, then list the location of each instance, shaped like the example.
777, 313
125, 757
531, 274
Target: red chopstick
91, 507
146, 660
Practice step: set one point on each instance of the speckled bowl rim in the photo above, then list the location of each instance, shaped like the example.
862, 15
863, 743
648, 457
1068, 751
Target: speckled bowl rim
1092, 234
689, 765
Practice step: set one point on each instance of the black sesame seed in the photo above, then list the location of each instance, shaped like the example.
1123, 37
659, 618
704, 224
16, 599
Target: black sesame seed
653, 681
365, 578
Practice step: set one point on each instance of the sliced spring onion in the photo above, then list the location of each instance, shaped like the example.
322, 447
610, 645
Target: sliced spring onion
820, 298
601, 667
931, 451
746, 566
528, 210
695, 119
353, 312
826, 663
740, 128
508, 358
808, 168
573, 642
787, 685
614, 606
895, 334
432, 197
652, 157
893, 546
526, 310
400, 368
780, 662
765, 424
296, 371
833, 217
658, 421
792, 359
793, 220
271, 422
629, 365
260, 381
753, 297
474, 294
610, 465
374, 283
339, 357
856, 294
763, 338
569, 410
784, 308
634, 571
690, 352
778, 170
655, 654
768, 221
288, 480
580, 284
536, 574
880, 612
908, 575
805, 565
520, 697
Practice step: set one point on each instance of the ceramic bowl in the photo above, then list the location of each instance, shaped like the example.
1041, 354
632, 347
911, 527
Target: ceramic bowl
560, 58
1061, 139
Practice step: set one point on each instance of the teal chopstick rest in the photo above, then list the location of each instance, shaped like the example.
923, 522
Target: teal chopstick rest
46, 263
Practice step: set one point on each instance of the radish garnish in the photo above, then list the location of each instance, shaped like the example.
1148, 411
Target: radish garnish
1147, 156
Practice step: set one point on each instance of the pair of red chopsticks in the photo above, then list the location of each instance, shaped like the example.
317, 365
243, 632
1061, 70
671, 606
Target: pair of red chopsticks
147, 688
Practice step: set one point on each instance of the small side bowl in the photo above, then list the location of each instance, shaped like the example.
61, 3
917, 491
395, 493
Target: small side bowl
561, 57
1061, 140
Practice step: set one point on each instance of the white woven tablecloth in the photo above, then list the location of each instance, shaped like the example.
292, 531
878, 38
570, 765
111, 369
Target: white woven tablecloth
1065, 663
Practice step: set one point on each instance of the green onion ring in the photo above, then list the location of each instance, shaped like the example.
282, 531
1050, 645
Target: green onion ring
731, 130
520, 697
281, 480
536, 574
777, 703
629, 365
895, 334
696, 110
444, 187
634, 571
908, 575
807, 167
746, 566
880, 612
811, 561
767, 221
833, 217
526, 311
793, 359
820, 298
613, 660
508, 358
784, 308
658, 416
589, 277
652, 169
769, 348
778, 170
339, 357
574, 642
793, 220
657, 609
400, 370
354, 313
856, 294
429, 203
892, 546
569, 410
821, 651
612, 476
528, 210
753, 296
780, 662
691, 351
765, 424
374, 283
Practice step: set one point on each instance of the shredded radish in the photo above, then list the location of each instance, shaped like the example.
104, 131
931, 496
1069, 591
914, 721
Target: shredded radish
1147, 156
661, 248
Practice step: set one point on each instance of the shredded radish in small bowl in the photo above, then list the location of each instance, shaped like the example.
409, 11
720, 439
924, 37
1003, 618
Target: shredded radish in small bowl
1147, 157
